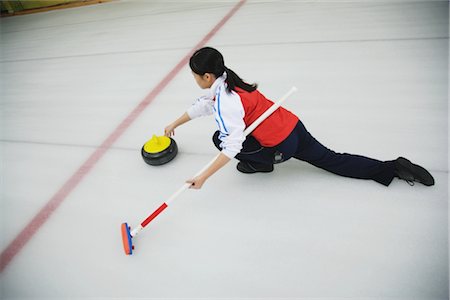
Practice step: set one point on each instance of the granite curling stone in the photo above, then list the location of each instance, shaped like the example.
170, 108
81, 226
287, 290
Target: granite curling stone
159, 150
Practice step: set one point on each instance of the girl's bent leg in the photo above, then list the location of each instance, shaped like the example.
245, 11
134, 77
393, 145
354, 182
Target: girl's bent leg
344, 164
253, 157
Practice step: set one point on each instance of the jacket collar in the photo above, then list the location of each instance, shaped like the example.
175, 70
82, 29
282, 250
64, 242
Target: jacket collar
217, 83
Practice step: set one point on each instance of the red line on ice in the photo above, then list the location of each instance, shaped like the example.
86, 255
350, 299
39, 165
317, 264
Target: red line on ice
42, 216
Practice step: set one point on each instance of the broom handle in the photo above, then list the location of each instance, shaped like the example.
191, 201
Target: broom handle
185, 186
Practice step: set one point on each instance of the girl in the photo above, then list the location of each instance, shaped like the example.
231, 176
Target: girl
235, 104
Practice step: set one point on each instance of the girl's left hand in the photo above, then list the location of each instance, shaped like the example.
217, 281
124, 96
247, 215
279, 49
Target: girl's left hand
197, 182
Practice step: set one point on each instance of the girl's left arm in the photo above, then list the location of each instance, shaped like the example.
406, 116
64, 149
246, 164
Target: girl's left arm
197, 182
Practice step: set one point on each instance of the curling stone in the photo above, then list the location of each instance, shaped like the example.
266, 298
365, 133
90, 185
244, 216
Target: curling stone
159, 150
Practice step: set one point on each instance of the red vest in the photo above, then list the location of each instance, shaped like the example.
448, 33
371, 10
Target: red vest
273, 130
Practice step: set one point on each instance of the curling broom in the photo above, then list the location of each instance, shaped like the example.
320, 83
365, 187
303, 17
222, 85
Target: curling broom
128, 235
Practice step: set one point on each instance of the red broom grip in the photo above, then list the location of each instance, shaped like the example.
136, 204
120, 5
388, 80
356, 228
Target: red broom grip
154, 214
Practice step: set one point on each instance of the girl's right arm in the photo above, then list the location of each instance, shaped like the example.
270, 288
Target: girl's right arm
203, 106
170, 129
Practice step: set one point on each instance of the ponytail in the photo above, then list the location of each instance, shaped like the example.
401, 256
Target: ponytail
233, 81
209, 60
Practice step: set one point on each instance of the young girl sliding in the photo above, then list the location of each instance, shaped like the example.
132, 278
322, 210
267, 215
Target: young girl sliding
235, 104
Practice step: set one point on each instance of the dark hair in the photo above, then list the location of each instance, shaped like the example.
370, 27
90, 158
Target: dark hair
209, 60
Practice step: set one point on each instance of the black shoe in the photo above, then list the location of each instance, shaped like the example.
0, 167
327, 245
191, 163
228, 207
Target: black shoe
406, 170
248, 168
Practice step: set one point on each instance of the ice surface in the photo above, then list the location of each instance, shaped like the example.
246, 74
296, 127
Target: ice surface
372, 79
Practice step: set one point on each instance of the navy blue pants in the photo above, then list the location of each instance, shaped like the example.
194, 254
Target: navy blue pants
300, 144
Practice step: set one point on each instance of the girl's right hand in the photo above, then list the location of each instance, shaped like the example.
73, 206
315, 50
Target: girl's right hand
169, 130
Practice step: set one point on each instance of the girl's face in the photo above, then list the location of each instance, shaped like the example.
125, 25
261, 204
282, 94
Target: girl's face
204, 81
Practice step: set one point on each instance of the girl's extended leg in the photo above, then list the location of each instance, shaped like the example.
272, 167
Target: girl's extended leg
344, 164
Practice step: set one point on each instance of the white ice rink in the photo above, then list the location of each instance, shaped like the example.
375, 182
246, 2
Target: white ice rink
372, 79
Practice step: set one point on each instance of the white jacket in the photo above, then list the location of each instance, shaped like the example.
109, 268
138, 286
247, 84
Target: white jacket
228, 112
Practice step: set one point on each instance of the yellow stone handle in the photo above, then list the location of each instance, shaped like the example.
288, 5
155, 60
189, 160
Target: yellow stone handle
157, 144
